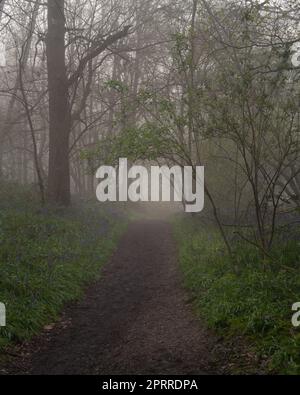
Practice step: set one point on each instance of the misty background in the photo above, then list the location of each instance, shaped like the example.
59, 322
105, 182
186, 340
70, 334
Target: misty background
210, 83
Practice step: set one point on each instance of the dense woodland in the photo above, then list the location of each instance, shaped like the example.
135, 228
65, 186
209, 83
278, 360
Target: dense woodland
212, 83
199, 83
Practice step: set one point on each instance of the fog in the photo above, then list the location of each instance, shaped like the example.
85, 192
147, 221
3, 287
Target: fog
206, 85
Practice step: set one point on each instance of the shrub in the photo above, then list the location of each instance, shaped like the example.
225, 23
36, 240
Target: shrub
238, 296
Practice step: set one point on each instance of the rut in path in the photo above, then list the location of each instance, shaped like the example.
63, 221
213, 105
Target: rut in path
134, 320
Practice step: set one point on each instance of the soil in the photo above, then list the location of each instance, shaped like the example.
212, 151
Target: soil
137, 319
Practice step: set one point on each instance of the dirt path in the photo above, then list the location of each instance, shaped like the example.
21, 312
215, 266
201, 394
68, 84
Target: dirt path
135, 320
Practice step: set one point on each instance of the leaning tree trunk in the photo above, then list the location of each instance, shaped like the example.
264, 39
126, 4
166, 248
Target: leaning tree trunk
59, 111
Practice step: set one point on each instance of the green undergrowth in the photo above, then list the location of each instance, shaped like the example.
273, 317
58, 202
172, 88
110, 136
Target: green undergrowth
243, 295
47, 257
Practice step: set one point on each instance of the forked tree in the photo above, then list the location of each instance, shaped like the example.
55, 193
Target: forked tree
59, 86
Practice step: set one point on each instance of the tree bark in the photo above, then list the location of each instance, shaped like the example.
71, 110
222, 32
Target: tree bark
59, 110
60, 118
2, 4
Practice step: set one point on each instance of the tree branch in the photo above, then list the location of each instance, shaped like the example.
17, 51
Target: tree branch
96, 50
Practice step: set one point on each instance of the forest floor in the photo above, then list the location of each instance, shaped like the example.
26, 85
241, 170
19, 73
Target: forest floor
137, 319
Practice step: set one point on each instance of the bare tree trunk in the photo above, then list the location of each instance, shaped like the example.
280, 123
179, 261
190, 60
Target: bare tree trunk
2, 4
10, 113
34, 142
60, 119
59, 111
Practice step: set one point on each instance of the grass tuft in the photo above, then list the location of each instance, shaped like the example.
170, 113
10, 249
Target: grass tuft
47, 257
241, 297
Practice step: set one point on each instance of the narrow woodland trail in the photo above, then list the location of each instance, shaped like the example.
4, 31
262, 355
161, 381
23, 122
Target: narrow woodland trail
135, 320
